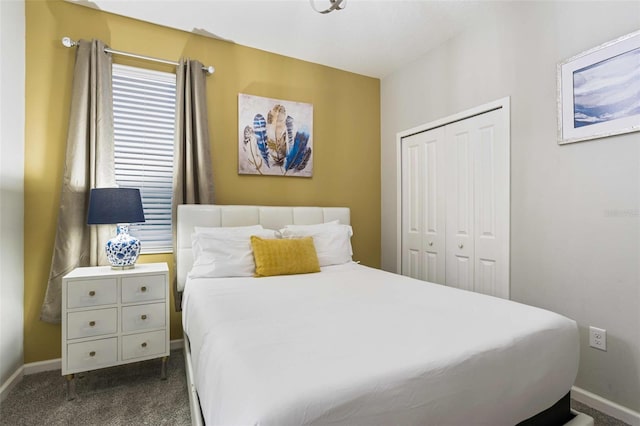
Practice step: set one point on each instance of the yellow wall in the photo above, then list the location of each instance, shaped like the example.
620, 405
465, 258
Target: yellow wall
346, 135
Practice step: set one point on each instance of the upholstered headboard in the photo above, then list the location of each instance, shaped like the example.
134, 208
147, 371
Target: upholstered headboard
190, 215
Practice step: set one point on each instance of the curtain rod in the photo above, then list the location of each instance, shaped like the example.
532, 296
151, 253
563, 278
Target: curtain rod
67, 42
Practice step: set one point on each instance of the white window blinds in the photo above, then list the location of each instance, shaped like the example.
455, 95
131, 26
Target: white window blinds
144, 120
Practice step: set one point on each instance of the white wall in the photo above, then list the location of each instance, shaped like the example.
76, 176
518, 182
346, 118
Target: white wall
575, 209
12, 71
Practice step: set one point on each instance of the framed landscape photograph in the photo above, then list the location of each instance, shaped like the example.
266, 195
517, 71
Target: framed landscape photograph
599, 91
275, 137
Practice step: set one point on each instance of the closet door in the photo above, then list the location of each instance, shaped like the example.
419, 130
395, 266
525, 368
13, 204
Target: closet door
423, 206
477, 236
459, 235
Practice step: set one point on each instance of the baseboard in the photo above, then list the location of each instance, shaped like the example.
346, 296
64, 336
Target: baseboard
608, 407
11, 382
41, 366
26, 369
177, 344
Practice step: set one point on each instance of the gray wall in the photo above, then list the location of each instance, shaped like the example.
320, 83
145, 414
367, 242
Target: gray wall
12, 42
575, 209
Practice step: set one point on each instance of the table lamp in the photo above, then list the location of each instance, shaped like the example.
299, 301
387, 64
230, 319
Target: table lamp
120, 206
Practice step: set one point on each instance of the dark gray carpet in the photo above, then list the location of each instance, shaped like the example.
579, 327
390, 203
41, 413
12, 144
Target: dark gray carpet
127, 395
599, 418
131, 394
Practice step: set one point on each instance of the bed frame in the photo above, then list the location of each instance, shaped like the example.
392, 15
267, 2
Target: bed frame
189, 216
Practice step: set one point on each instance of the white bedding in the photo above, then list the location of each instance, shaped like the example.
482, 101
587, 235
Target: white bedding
354, 345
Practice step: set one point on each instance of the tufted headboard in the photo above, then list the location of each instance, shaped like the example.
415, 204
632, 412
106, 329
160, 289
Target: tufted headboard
190, 215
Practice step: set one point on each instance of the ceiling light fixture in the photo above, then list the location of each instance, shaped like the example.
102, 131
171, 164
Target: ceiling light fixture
335, 5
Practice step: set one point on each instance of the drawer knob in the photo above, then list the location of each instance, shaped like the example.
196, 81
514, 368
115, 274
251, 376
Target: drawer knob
143, 288
460, 245
144, 344
92, 323
144, 317
92, 353
92, 293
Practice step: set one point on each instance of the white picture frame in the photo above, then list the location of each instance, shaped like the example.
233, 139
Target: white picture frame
598, 91
275, 137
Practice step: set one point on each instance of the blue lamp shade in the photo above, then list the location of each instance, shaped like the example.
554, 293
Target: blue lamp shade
115, 205
120, 206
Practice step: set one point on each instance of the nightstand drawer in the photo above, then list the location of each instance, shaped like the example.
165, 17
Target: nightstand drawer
143, 344
143, 288
92, 323
92, 355
143, 317
84, 293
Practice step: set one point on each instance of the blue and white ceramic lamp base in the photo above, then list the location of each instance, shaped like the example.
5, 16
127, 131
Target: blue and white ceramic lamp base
123, 249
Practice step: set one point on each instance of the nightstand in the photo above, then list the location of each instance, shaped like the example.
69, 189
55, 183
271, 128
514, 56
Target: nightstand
112, 317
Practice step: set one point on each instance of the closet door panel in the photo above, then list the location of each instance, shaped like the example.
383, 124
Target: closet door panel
486, 277
430, 262
491, 206
423, 205
459, 225
460, 272
413, 264
411, 209
434, 208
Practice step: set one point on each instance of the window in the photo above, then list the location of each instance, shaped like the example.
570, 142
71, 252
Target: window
144, 121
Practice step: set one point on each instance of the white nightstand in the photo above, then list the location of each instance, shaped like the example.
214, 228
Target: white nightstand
112, 317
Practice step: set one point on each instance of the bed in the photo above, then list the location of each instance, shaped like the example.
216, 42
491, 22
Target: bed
353, 345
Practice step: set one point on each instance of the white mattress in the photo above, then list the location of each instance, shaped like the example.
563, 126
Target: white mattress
354, 345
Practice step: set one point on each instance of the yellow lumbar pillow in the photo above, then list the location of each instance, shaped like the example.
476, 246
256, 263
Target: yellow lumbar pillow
284, 256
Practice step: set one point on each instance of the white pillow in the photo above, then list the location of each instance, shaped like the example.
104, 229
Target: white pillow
332, 240
225, 254
221, 232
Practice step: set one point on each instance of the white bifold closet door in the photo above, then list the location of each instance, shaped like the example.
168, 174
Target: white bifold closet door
424, 206
455, 205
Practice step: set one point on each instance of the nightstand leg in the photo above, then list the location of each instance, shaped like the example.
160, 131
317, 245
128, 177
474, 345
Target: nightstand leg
163, 370
71, 387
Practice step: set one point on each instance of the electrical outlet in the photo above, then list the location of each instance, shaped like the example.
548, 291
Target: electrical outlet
598, 338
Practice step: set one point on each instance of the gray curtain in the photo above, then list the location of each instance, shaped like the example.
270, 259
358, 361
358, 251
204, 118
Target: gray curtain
89, 163
192, 175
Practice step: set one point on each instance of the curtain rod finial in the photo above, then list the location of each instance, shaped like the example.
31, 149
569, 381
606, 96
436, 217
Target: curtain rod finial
67, 42
210, 70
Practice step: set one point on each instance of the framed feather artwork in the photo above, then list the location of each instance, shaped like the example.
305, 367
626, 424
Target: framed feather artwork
275, 137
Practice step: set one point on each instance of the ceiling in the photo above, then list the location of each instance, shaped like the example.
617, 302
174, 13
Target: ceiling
369, 37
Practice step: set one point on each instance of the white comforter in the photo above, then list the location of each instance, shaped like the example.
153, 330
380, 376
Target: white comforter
354, 345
